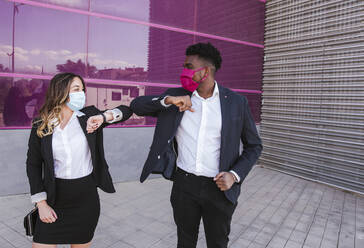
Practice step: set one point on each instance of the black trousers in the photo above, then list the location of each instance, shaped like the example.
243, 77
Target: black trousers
195, 197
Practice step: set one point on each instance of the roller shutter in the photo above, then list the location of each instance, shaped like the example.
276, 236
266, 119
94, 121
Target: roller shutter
313, 90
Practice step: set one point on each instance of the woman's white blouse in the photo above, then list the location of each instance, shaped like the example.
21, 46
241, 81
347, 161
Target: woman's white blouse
71, 153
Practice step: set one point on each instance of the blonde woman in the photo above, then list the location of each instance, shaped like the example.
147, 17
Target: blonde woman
66, 164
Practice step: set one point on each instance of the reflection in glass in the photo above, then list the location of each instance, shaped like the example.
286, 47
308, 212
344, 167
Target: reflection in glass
106, 95
20, 100
112, 55
77, 4
133, 9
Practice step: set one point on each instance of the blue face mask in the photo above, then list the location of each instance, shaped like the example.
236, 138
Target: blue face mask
77, 100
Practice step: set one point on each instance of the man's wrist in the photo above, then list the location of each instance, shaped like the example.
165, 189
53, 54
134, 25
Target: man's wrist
164, 102
235, 176
167, 100
113, 115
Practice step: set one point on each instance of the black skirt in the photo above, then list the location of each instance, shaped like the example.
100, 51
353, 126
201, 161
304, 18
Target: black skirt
77, 207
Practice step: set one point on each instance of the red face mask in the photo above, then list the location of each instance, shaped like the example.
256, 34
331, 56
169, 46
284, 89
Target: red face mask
187, 81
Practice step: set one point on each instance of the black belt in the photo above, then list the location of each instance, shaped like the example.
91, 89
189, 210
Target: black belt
185, 173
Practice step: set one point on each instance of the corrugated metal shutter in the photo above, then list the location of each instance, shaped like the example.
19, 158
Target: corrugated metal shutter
313, 101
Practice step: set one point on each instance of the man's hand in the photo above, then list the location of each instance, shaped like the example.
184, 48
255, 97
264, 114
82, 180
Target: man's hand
182, 102
94, 122
224, 180
46, 213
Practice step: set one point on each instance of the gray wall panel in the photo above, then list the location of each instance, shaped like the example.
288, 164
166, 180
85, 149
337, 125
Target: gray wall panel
126, 150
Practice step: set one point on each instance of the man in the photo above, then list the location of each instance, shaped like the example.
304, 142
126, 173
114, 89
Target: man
197, 144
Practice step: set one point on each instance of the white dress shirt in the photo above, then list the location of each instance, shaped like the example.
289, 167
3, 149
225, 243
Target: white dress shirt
199, 136
71, 152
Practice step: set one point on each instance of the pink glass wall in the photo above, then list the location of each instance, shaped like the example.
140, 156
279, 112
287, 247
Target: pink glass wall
123, 48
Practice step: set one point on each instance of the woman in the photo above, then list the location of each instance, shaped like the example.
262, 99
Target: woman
66, 164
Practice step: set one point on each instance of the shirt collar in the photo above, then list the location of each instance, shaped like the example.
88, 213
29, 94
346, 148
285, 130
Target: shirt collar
75, 113
216, 90
78, 113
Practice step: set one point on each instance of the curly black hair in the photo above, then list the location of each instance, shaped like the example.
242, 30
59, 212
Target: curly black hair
207, 52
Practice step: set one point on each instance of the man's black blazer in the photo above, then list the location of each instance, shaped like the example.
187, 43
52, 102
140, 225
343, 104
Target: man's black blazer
237, 124
40, 167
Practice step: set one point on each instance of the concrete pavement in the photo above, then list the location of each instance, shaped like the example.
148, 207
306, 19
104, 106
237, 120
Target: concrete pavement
275, 211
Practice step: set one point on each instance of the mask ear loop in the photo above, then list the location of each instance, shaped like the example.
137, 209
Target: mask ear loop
202, 79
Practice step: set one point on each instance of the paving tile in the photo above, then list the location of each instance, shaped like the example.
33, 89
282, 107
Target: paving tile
240, 243
292, 244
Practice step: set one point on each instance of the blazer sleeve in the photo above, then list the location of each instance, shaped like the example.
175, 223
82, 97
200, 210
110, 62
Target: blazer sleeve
149, 105
252, 144
125, 111
34, 163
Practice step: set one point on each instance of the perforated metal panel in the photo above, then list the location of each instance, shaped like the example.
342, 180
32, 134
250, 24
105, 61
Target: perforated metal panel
313, 100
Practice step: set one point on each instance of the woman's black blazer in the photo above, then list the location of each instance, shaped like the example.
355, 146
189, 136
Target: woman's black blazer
39, 163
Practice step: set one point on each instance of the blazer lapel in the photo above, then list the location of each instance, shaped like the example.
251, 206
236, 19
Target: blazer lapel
48, 151
224, 99
178, 119
179, 114
91, 137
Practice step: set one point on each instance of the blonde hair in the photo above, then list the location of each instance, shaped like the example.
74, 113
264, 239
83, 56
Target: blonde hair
57, 95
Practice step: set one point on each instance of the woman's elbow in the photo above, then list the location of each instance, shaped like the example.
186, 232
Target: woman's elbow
134, 108
127, 113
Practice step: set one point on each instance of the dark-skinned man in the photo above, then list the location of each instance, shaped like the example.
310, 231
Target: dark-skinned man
197, 145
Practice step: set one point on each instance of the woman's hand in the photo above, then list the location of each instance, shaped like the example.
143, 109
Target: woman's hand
94, 122
46, 213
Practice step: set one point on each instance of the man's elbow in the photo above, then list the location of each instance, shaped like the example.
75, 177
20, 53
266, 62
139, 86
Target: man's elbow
260, 149
254, 150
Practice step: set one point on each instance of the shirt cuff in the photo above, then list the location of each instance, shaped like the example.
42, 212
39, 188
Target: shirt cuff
38, 197
116, 114
164, 104
236, 176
